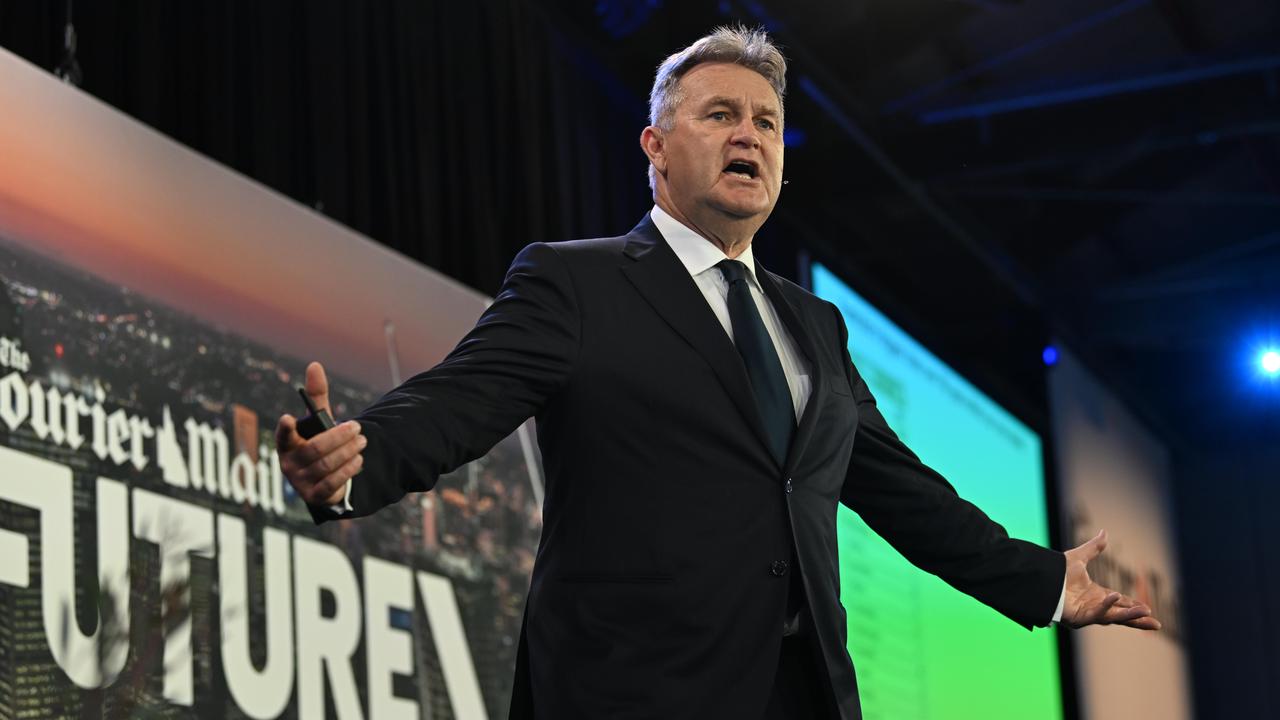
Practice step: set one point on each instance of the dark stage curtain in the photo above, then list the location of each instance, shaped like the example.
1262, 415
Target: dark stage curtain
453, 132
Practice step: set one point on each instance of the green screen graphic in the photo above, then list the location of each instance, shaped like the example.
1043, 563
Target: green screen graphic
922, 649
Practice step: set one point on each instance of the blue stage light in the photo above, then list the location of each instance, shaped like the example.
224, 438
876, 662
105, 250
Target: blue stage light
1050, 355
1270, 361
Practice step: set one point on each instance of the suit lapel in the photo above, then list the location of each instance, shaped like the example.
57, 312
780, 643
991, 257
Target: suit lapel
663, 281
804, 341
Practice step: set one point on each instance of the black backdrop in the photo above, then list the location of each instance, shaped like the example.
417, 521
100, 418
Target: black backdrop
459, 132
454, 132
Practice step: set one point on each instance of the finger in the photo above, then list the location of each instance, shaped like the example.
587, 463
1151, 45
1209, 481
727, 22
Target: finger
1099, 611
326, 442
329, 490
1125, 601
318, 386
1094, 547
1143, 623
1123, 615
287, 433
336, 458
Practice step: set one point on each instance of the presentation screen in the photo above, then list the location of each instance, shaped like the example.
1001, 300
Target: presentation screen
921, 648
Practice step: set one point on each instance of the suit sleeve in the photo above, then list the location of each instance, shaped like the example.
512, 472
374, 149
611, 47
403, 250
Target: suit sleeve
519, 355
920, 514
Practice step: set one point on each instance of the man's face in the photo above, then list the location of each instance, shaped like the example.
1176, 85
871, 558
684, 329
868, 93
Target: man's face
723, 152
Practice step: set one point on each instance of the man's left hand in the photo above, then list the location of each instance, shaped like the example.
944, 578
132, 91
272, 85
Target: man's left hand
1088, 603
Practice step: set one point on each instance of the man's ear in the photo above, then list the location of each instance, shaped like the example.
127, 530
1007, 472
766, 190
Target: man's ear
653, 143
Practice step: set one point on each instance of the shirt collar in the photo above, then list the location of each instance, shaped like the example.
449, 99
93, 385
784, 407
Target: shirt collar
696, 253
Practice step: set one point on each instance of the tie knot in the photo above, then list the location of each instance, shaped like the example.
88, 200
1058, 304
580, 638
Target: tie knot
732, 270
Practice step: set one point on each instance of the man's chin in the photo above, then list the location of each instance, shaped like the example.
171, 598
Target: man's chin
744, 208
746, 211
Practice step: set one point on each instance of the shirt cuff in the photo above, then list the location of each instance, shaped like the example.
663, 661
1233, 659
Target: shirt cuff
345, 507
1062, 600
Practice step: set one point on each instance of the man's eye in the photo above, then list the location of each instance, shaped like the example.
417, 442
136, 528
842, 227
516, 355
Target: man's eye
765, 124
719, 115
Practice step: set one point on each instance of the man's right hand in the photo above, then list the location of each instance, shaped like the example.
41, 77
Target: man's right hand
320, 467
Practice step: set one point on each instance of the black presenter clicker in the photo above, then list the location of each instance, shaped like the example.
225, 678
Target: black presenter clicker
317, 420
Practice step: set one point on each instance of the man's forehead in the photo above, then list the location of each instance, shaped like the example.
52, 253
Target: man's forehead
729, 83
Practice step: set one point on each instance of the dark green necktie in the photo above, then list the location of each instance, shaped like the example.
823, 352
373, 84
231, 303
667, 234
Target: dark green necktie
768, 382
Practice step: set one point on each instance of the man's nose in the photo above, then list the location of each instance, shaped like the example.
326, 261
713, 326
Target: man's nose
745, 134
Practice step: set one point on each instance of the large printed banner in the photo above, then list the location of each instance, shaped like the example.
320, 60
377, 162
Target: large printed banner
1115, 474
153, 560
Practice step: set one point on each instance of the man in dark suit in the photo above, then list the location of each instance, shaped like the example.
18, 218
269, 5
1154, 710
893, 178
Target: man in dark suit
687, 567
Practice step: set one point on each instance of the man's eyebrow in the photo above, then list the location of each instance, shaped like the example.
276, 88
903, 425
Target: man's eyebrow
734, 103
722, 100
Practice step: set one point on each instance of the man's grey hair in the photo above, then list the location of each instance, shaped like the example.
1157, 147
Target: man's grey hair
751, 49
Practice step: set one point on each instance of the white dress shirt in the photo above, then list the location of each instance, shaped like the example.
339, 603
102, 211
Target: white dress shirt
699, 256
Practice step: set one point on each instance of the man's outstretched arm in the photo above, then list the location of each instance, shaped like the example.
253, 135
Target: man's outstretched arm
920, 514
518, 356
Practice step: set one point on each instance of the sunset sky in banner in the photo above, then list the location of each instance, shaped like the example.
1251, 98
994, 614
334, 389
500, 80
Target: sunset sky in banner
95, 189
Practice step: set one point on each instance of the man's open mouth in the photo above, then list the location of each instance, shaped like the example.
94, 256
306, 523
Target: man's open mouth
744, 168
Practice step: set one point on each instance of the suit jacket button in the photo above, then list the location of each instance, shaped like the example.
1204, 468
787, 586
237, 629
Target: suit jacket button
787, 486
779, 567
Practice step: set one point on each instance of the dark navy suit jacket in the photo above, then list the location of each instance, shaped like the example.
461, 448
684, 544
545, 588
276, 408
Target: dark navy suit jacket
656, 592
